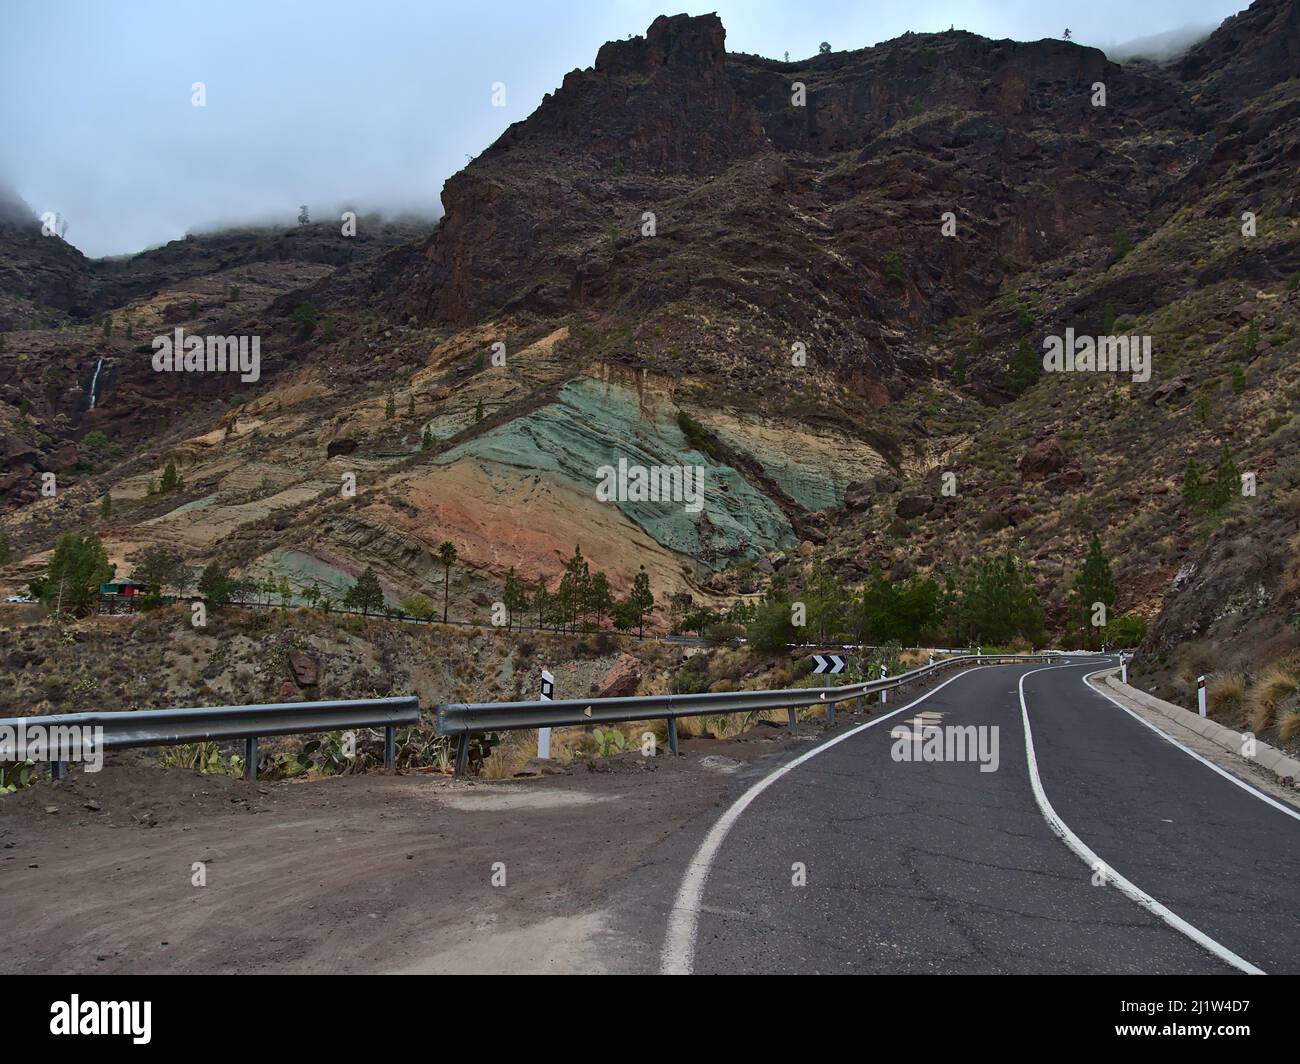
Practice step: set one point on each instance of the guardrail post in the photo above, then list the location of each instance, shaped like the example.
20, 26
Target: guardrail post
250, 758
390, 746
58, 769
672, 735
830, 712
462, 754
794, 718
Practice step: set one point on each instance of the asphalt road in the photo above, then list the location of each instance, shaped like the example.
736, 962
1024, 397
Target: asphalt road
848, 859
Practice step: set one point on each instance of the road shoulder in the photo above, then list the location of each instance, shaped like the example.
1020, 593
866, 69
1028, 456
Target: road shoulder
1214, 742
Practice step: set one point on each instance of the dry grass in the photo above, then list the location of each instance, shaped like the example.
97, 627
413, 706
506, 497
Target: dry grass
1276, 685
1289, 726
570, 744
1226, 695
510, 755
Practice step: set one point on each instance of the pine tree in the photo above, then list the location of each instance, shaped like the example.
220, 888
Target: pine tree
390, 408
365, 594
1025, 368
574, 591
1251, 342
600, 598
641, 599
76, 569
1194, 488
426, 438
106, 507
171, 480
828, 604
1227, 480
514, 597
1092, 584
215, 586
478, 411
542, 601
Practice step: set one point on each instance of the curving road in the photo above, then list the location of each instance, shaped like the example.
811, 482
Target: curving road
1095, 846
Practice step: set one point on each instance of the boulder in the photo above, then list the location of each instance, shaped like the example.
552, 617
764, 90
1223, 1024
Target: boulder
1043, 459
1073, 477
341, 446
622, 679
910, 506
304, 668
1174, 389
59, 459
859, 496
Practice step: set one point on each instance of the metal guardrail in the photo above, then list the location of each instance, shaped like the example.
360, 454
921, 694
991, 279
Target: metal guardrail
460, 718
169, 727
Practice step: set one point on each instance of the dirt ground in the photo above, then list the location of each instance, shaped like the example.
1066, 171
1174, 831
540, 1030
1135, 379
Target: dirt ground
375, 873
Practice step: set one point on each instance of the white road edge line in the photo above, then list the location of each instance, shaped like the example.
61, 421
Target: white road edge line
678, 956
1187, 749
1089, 858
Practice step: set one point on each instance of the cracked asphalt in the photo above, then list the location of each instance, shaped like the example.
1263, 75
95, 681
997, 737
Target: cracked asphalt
937, 867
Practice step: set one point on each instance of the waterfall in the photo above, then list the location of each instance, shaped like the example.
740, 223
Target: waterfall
94, 381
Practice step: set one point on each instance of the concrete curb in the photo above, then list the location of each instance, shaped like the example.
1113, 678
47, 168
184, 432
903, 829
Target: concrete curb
1266, 756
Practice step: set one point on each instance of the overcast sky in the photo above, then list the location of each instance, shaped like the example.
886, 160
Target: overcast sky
373, 103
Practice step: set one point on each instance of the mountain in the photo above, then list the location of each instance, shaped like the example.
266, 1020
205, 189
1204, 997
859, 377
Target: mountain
816, 279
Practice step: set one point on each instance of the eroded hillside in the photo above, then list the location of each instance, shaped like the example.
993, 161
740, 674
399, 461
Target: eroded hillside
816, 280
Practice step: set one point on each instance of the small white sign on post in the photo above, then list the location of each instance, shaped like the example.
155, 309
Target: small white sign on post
1200, 694
544, 734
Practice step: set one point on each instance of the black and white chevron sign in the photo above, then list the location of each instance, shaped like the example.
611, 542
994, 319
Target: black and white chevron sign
548, 686
831, 663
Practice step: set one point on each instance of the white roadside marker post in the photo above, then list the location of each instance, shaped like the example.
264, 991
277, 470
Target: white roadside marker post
884, 695
1200, 694
1123, 669
544, 734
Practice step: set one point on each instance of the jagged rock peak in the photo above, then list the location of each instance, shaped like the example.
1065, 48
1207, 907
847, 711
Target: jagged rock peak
683, 43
